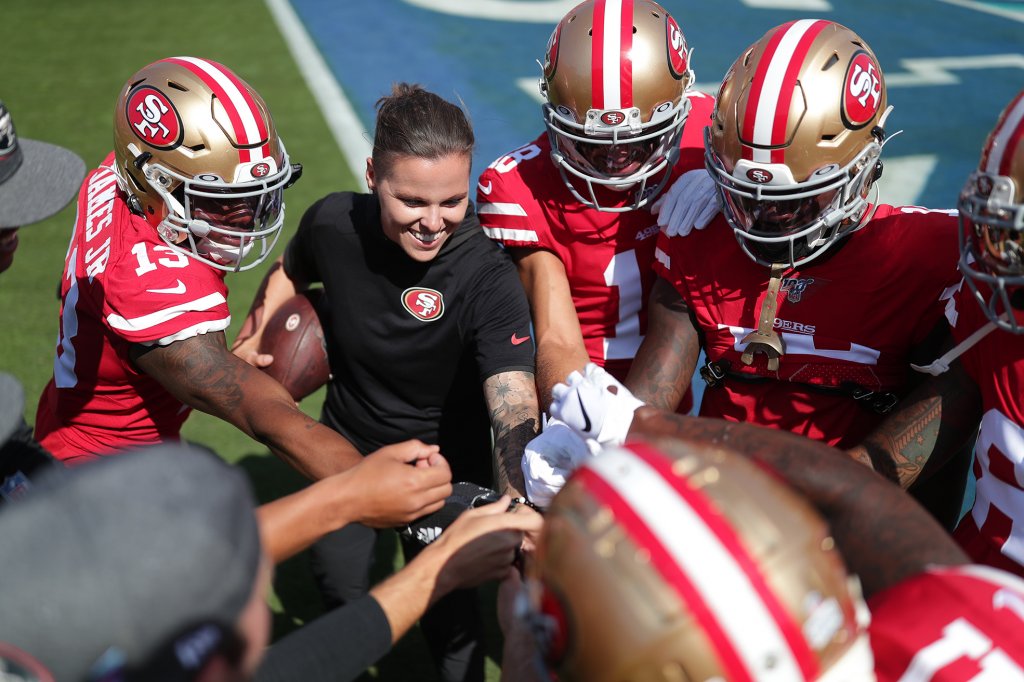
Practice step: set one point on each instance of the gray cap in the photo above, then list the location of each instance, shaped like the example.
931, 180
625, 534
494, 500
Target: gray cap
37, 179
12, 404
140, 563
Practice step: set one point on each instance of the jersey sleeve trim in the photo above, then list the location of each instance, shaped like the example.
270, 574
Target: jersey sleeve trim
501, 208
527, 369
509, 235
144, 322
194, 330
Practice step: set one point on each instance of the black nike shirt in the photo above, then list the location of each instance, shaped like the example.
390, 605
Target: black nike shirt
410, 343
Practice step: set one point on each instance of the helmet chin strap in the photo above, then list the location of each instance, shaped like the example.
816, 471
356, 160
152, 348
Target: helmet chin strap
765, 339
941, 365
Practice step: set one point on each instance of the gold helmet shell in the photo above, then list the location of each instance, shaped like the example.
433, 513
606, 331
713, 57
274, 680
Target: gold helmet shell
197, 153
992, 222
670, 561
795, 140
615, 74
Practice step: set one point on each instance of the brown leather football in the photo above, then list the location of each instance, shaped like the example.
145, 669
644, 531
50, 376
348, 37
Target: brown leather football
294, 337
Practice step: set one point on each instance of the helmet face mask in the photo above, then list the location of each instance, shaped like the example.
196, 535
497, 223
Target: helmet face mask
615, 110
795, 142
198, 155
991, 208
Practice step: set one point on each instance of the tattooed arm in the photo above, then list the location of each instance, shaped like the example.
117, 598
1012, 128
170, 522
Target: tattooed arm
882, 533
202, 373
934, 422
512, 404
663, 367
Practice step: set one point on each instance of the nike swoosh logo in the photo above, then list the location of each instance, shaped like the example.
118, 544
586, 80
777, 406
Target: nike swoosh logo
583, 411
178, 289
484, 190
517, 340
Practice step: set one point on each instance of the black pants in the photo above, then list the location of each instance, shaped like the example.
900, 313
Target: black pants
453, 628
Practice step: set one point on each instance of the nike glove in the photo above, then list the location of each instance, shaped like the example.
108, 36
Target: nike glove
549, 459
691, 202
595, 405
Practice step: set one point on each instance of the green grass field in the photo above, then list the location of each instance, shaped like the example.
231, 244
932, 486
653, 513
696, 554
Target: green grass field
63, 64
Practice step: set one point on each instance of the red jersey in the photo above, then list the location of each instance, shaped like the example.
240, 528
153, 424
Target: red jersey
121, 286
992, 532
849, 318
523, 202
950, 624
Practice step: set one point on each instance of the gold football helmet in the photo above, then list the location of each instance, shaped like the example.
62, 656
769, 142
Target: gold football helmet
992, 221
197, 153
678, 563
795, 140
614, 80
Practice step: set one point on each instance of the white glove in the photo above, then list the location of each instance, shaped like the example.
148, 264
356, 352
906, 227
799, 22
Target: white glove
691, 202
549, 459
589, 406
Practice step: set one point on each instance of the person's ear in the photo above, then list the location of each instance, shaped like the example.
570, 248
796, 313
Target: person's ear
371, 181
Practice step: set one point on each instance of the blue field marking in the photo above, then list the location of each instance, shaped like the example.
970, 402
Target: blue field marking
952, 69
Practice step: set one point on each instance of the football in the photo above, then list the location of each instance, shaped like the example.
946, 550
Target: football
294, 336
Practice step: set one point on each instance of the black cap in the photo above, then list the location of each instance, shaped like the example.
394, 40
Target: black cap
37, 179
136, 566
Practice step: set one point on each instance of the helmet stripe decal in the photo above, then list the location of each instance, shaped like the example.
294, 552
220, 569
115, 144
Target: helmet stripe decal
771, 91
701, 556
612, 78
245, 116
1001, 147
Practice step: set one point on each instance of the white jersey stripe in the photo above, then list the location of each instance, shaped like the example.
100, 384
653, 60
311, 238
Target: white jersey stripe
768, 103
612, 54
245, 114
196, 330
728, 592
506, 234
501, 208
143, 322
1001, 141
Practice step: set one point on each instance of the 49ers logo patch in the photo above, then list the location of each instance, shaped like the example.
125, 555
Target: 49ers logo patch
676, 48
153, 118
862, 90
423, 304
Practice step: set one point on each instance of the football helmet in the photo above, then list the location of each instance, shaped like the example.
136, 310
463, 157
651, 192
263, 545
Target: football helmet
795, 140
614, 77
198, 156
992, 222
671, 561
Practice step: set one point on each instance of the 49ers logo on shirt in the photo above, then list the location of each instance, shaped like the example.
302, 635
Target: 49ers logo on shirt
676, 48
423, 304
862, 91
153, 118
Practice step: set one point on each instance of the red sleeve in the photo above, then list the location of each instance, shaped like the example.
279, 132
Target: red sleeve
508, 212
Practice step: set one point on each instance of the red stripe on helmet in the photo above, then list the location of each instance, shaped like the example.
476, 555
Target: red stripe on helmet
1013, 142
727, 535
234, 116
789, 87
750, 114
662, 561
597, 56
626, 54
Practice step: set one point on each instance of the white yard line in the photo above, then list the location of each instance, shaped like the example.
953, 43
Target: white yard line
349, 132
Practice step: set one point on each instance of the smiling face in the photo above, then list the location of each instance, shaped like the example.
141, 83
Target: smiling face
422, 201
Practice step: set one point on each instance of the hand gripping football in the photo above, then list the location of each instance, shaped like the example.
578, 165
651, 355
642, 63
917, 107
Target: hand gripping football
294, 337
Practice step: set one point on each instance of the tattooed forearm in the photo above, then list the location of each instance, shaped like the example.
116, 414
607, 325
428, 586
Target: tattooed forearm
661, 372
512, 405
196, 371
933, 423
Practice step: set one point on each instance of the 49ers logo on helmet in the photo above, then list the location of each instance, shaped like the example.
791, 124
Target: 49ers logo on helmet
423, 304
676, 48
153, 118
862, 91
759, 175
612, 118
260, 170
551, 53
